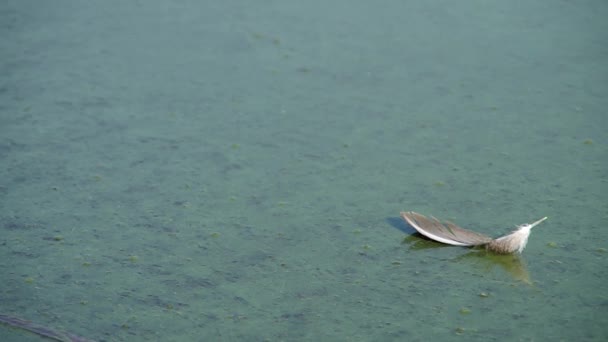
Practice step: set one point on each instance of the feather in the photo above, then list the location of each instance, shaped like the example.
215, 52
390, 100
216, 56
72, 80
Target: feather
516, 241
446, 232
451, 234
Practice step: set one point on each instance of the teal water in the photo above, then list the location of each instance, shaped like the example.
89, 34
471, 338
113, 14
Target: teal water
189, 171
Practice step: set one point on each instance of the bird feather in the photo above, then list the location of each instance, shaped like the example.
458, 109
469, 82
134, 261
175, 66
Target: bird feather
451, 234
446, 232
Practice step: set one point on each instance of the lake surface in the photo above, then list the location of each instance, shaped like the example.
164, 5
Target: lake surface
234, 171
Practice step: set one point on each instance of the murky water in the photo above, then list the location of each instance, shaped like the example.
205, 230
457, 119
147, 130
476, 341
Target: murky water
196, 171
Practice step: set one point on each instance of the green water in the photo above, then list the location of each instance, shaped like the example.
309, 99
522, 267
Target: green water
189, 171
